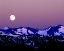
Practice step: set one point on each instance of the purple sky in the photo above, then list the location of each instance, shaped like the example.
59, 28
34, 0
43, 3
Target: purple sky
32, 13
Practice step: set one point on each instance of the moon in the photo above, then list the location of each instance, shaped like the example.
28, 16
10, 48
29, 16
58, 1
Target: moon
12, 17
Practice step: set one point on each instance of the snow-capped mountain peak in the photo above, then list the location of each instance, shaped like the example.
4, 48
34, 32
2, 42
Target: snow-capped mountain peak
50, 31
61, 29
42, 32
24, 30
6, 28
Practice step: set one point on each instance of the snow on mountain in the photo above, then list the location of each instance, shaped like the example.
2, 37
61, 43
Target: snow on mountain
56, 30
14, 34
24, 31
42, 32
57, 34
18, 31
61, 29
30, 32
6, 28
34, 30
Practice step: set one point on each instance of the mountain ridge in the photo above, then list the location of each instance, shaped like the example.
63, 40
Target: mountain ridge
51, 30
31, 37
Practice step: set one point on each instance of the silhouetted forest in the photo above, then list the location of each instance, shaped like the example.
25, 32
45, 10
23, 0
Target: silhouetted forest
34, 43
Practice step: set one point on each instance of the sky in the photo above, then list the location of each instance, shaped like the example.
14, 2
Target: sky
31, 13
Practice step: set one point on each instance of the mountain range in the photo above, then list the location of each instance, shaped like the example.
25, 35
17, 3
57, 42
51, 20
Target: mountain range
31, 36
56, 30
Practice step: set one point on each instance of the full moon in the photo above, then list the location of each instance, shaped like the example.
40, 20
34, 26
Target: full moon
12, 17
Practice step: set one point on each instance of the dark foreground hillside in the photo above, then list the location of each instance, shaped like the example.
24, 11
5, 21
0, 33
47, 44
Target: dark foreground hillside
32, 43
